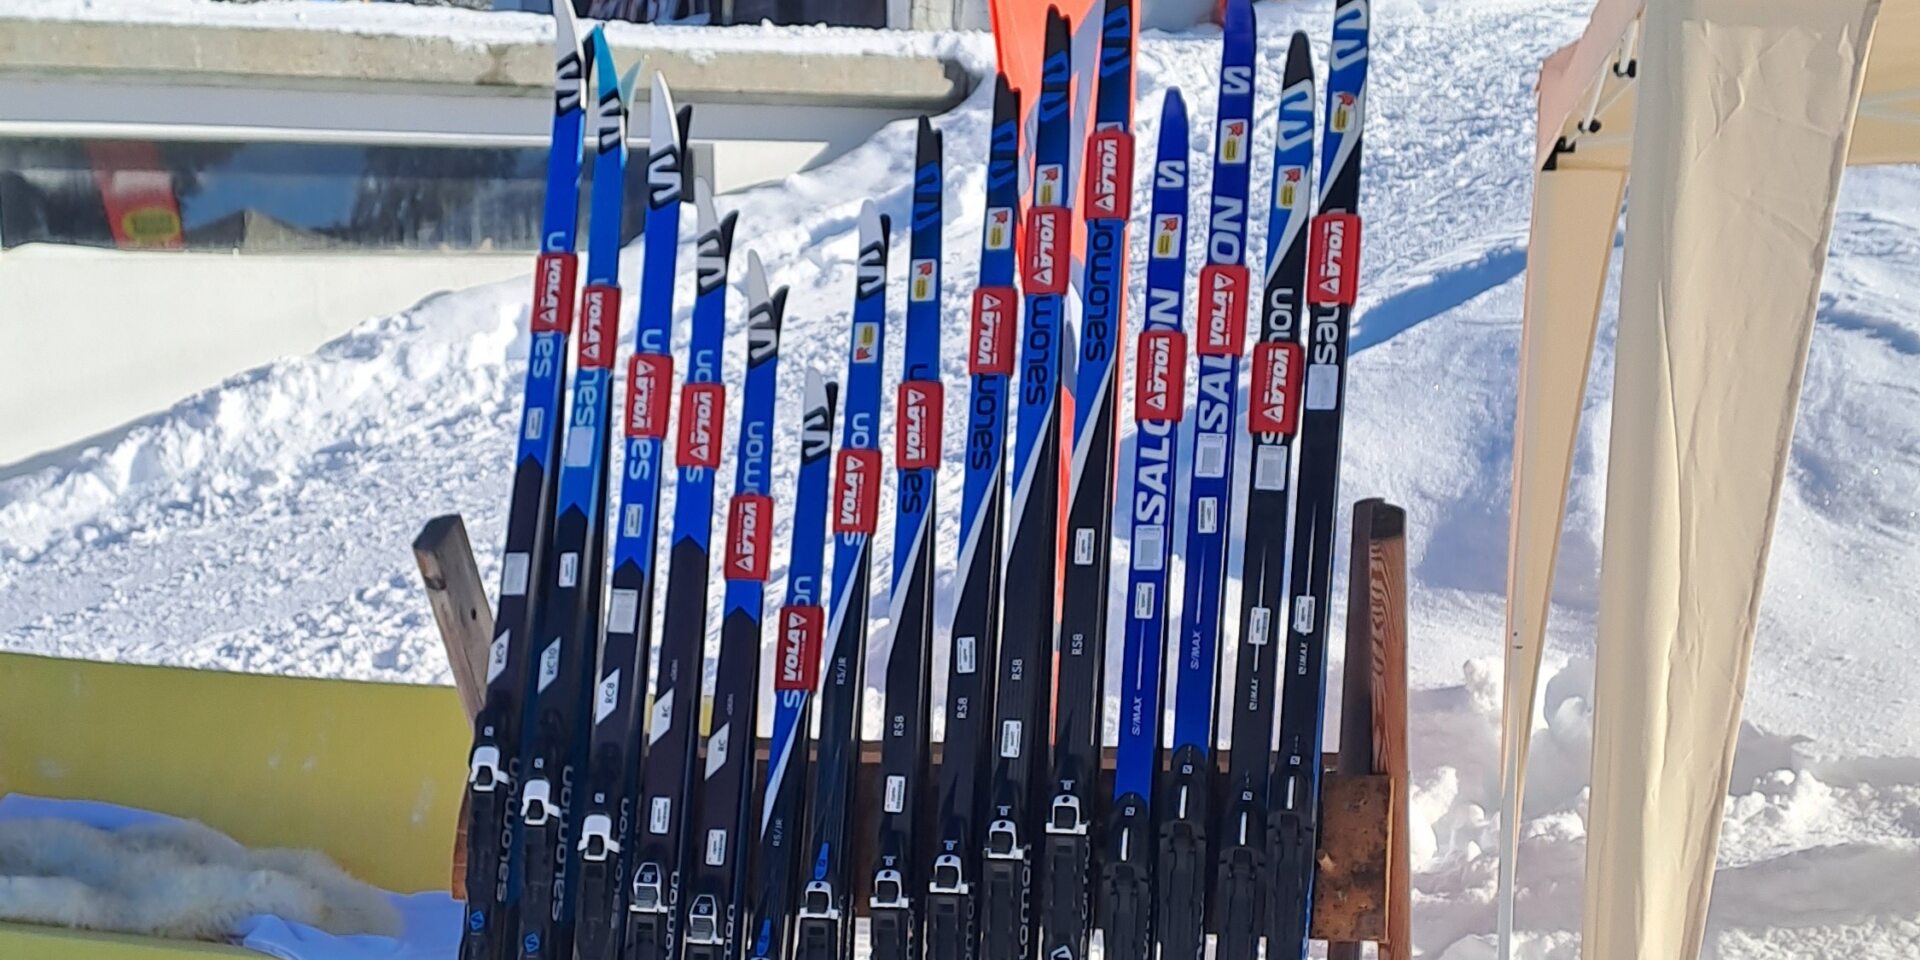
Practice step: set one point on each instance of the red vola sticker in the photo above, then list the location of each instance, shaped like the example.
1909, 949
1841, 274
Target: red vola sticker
702, 407
749, 531
1333, 265
1160, 376
649, 378
1049, 229
1109, 175
553, 293
916, 419
799, 649
1223, 310
1275, 396
990, 341
599, 326
856, 491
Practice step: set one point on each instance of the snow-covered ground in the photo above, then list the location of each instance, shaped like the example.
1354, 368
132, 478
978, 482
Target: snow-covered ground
263, 524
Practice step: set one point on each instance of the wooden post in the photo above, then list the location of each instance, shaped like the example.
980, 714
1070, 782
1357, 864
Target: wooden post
1373, 708
459, 603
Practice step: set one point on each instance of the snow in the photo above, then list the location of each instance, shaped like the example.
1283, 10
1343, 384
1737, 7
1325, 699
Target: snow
263, 524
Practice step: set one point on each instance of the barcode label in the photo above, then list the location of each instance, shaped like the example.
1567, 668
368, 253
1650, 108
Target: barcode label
1149, 546
513, 575
1270, 467
1210, 455
1206, 515
896, 798
1323, 386
964, 654
1143, 602
1010, 739
623, 612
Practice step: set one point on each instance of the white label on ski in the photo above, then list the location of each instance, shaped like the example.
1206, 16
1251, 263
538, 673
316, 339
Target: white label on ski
896, 799
1207, 515
1149, 547
662, 717
1143, 601
963, 654
717, 848
580, 447
660, 816
1257, 620
1270, 467
1303, 615
623, 611
549, 664
1083, 547
497, 656
1010, 739
1210, 455
513, 575
536, 423
569, 569
1323, 386
999, 228
631, 520
717, 751
609, 696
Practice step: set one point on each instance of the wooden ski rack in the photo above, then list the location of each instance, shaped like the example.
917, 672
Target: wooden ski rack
1363, 883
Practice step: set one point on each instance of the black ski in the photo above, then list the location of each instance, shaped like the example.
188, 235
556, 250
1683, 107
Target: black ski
824, 930
723, 811
917, 415
660, 835
1023, 679
1332, 277
952, 924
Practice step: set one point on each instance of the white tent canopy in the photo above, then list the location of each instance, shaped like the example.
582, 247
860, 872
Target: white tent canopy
1732, 119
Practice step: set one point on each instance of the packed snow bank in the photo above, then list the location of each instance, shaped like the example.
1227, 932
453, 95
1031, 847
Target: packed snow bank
264, 524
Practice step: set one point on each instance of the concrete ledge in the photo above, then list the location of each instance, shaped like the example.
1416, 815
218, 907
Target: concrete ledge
203, 54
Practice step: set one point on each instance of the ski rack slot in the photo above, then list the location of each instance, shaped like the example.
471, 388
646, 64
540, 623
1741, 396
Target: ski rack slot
1362, 884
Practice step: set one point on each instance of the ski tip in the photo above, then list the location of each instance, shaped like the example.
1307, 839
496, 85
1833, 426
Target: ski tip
873, 226
566, 33
1006, 100
757, 281
1299, 58
707, 220
608, 79
629, 82
1173, 109
929, 145
662, 112
1058, 32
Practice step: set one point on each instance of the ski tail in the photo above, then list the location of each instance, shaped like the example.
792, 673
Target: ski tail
1332, 274
493, 779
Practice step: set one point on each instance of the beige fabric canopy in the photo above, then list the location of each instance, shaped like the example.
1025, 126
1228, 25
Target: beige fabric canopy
1733, 120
